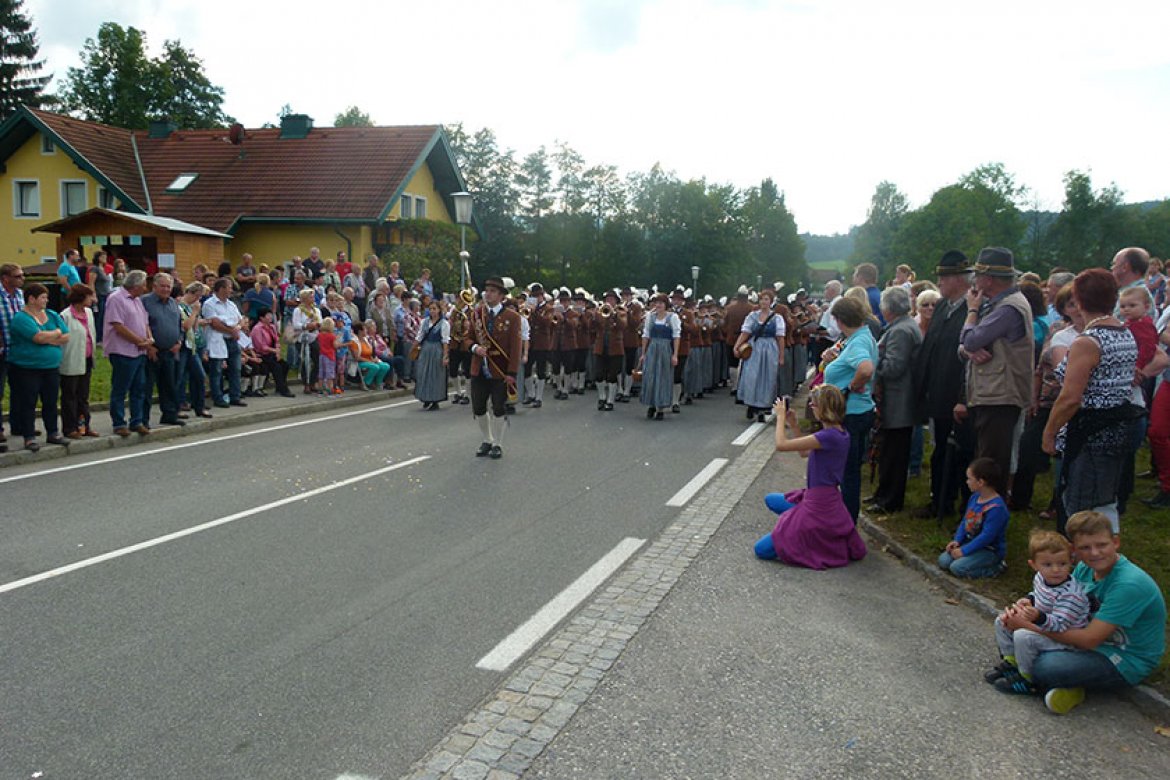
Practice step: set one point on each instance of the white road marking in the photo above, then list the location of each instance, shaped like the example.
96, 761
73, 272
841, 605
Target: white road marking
745, 438
213, 440
523, 638
695, 485
109, 556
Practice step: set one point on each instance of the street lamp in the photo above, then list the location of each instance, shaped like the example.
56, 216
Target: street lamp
463, 217
695, 280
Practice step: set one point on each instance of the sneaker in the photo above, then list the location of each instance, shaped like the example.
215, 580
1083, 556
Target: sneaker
1015, 684
1001, 670
1062, 701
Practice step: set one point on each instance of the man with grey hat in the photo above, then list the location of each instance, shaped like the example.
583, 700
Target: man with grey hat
737, 311
997, 344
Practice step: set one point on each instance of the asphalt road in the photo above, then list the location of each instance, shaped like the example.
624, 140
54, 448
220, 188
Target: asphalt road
334, 635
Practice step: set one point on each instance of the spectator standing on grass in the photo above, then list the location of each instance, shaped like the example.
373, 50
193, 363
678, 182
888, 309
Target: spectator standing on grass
103, 284
67, 273
997, 344
77, 362
11, 302
125, 338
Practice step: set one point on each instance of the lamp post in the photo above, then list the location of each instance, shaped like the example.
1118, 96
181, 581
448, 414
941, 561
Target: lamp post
695, 280
463, 217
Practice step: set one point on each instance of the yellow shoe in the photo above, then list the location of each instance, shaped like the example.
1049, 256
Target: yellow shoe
1063, 700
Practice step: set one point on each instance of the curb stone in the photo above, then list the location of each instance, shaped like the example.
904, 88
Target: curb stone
1148, 700
501, 737
194, 426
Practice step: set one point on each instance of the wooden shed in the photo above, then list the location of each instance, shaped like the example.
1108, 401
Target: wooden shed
142, 240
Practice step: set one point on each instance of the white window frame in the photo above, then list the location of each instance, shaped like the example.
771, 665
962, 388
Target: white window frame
47, 145
63, 189
406, 206
419, 200
182, 182
16, 213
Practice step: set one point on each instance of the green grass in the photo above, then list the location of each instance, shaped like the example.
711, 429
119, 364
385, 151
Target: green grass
1144, 540
829, 265
99, 381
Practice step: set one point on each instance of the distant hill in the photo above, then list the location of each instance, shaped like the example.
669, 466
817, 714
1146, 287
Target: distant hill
822, 250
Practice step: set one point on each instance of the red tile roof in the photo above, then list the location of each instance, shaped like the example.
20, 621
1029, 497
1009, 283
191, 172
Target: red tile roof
332, 174
109, 149
349, 173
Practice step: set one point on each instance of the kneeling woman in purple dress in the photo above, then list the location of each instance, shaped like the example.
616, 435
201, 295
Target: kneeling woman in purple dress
814, 530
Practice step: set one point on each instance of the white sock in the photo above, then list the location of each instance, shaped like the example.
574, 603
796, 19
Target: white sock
484, 427
611, 393
601, 390
539, 390
581, 379
677, 394
497, 425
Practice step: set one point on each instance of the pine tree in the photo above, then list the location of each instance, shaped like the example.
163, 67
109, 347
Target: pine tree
19, 66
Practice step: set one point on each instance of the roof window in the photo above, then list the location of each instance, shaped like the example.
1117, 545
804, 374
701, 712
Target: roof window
182, 182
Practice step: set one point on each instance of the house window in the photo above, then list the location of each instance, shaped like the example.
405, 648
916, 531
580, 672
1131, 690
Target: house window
72, 198
420, 208
182, 182
106, 199
27, 198
404, 212
47, 145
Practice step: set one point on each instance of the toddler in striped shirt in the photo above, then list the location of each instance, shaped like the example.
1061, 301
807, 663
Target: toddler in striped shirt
1057, 603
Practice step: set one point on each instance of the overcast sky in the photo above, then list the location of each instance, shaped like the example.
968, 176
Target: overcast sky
827, 98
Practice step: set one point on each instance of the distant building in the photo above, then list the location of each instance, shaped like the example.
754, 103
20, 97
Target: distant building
272, 192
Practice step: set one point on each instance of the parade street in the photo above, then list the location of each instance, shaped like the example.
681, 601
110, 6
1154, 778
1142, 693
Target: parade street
330, 597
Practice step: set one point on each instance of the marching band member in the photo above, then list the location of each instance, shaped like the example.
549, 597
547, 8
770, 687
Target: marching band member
513, 304
695, 373
541, 328
660, 343
737, 312
677, 299
459, 353
609, 347
576, 316
635, 316
565, 341
759, 371
494, 364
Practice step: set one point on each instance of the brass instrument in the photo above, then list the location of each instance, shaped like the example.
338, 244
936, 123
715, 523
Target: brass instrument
467, 297
605, 310
525, 311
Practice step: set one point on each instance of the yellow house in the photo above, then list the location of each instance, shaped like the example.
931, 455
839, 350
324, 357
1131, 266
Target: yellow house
274, 192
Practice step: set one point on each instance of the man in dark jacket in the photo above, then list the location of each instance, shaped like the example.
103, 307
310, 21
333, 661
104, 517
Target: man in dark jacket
939, 382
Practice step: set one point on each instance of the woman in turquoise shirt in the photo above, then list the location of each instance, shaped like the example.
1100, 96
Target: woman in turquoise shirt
851, 370
34, 357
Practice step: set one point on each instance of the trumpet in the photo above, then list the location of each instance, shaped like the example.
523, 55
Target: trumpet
606, 310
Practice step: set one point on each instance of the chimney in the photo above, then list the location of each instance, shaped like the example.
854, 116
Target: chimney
295, 125
161, 128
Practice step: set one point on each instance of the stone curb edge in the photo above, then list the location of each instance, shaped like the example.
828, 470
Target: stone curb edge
1150, 701
504, 734
196, 426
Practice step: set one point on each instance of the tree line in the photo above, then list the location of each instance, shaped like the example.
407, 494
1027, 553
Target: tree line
988, 207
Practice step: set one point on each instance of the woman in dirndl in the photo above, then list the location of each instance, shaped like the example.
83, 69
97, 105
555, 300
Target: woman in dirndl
660, 337
434, 337
764, 330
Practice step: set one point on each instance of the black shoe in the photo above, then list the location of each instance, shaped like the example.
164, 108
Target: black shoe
609, 407
876, 509
496, 453
175, 421
675, 409
760, 417
528, 401
687, 401
537, 404
483, 450
601, 406
622, 399
924, 513
658, 415
1159, 501
221, 405
56, 438
247, 394
738, 402
750, 413
237, 403
259, 394
649, 412
509, 409
287, 394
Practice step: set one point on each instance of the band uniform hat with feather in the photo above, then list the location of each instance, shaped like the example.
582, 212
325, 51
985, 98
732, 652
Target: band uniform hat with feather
952, 263
996, 261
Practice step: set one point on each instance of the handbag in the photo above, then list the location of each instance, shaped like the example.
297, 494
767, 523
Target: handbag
415, 349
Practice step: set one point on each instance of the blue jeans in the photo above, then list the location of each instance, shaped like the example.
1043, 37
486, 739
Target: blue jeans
1076, 669
128, 375
777, 503
858, 427
917, 449
191, 379
233, 372
981, 563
